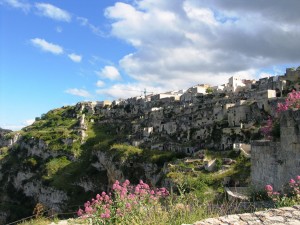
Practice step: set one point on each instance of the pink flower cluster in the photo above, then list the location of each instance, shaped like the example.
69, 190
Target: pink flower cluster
292, 101
293, 191
123, 200
90, 208
295, 186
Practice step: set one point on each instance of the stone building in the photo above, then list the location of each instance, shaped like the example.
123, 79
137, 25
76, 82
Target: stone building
276, 163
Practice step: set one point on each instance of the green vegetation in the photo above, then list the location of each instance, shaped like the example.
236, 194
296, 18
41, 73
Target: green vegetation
55, 127
207, 186
54, 165
209, 90
3, 152
38, 221
123, 152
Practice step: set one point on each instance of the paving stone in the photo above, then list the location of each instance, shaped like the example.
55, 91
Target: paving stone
229, 218
282, 216
296, 207
293, 222
249, 217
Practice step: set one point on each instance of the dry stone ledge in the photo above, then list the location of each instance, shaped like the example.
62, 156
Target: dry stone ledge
281, 216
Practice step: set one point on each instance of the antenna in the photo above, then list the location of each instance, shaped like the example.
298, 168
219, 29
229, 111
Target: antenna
145, 92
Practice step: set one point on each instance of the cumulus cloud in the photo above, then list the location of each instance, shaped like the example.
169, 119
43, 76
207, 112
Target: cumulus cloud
109, 72
75, 58
78, 92
47, 46
53, 12
17, 4
182, 42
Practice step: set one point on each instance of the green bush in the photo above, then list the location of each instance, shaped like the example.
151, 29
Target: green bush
123, 152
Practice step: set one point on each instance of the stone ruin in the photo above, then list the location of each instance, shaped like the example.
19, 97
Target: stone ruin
275, 163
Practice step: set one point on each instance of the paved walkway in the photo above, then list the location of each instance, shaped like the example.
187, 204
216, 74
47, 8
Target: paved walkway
281, 216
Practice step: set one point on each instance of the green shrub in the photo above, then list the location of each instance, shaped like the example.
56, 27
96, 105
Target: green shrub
123, 152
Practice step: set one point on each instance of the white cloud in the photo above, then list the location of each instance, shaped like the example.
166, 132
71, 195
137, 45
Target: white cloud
47, 46
17, 126
128, 90
13, 127
100, 83
109, 72
85, 22
182, 42
17, 4
28, 122
75, 58
78, 92
53, 12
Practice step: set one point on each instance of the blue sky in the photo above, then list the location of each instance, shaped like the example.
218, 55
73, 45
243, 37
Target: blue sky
56, 53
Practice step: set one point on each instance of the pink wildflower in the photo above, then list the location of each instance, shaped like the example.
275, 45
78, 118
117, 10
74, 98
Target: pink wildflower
126, 183
292, 181
128, 206
268, 188
79, 212
105, 215
88, 210
87, 204
137, 190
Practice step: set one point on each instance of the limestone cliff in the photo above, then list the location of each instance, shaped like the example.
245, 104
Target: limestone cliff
64, 159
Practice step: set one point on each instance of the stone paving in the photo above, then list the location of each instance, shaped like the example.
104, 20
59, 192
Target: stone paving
281, 216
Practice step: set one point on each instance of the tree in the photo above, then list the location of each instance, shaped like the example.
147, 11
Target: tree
209, 90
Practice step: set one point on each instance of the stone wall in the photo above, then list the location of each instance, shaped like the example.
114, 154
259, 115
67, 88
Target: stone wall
276, 163
264, 163
286, 215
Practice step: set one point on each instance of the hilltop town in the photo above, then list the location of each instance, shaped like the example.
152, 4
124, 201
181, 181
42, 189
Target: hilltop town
219, 117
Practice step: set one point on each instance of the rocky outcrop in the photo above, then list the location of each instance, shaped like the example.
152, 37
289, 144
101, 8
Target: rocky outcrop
38, 147
105, 163
150, 172
48, 196
8, 138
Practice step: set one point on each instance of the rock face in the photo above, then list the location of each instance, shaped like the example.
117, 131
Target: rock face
7, 140
50, 197
148, 171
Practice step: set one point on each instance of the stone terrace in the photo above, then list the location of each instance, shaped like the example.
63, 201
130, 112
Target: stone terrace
281, 216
